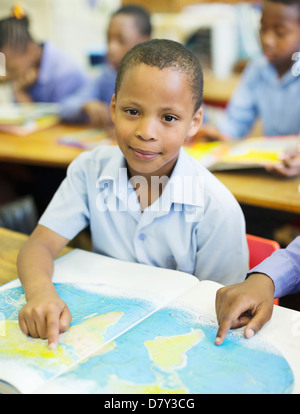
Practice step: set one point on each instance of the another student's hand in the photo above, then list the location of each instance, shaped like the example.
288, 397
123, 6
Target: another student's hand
248, 303
290, 166
45, 316
98, 113
209, 132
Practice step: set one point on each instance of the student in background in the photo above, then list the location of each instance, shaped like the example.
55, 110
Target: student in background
128, 26
145, 200
39, 72
269, 88
276, 276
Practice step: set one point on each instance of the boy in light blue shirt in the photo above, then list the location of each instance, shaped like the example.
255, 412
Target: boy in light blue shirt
270, 85
128, 26
146, 200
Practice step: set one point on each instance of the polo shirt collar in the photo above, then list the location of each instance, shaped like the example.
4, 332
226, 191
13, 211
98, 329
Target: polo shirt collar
270, 75
184, 187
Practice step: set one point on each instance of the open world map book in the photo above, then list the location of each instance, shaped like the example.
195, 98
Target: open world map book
140, 329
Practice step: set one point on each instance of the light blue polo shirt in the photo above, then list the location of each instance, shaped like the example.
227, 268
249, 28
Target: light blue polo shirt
262, 94
196, 226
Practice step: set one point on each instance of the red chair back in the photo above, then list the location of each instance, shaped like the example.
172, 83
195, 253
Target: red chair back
259, 250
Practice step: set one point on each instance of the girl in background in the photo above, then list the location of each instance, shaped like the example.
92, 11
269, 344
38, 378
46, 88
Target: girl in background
39, 72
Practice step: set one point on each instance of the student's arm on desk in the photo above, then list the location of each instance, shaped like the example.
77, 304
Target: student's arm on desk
45, 315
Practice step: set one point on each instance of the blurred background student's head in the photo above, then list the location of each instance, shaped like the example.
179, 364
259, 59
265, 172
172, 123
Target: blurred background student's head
128, 26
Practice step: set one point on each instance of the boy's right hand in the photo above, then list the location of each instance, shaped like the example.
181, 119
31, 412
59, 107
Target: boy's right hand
45, 316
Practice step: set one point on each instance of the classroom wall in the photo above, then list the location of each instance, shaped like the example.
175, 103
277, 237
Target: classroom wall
74, 25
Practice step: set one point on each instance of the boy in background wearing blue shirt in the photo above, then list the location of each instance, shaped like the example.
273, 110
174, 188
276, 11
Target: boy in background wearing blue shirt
145, 200
128, 26
39, 72
270, 85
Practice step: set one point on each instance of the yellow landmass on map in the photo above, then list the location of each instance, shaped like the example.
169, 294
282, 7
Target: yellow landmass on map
170, 352
120, 386
78, 341
88, 336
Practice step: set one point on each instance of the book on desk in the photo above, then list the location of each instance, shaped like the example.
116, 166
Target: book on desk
25, 118
141, 330
247, 153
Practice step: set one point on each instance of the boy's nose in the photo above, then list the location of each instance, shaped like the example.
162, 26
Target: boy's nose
268, 39
146, 130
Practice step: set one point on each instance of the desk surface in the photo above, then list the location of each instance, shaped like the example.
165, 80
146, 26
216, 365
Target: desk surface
261, 189
257, 188
10, 243
39, 148
218, 92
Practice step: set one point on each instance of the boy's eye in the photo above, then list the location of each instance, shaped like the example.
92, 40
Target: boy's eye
133, 112
169, 118
280, 33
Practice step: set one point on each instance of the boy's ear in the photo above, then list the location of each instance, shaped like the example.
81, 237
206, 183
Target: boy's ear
195, 123
112, 108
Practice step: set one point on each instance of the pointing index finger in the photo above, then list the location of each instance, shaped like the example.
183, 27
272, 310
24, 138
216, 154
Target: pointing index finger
53, 329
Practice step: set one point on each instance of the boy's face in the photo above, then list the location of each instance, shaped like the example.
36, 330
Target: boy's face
153, 114
122, 35
280, 33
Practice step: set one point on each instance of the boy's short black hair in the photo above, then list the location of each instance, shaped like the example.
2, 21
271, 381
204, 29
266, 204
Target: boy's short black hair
165, 54
288, 3
141, 15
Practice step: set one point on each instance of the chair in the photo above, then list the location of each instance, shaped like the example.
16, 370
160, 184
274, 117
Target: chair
260, 249
19, 215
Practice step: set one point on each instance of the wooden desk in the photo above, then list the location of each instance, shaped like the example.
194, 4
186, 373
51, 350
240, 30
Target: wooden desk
10, 243
217, 92
40, 148
261, 189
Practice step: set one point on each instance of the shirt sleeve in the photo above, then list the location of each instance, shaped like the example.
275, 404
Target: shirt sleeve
68, 211
283, 267
241, 111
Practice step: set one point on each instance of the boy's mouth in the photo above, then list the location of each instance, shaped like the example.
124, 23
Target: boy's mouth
143, 154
